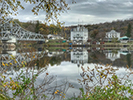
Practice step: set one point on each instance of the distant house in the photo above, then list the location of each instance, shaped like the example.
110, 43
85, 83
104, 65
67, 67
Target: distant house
58, 37
124, 38
50, 36
79, 34
112, 35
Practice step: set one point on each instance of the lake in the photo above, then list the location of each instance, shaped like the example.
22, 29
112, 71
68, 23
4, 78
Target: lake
62, 69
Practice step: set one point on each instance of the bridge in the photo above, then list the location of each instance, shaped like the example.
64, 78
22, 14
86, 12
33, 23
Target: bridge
11, 31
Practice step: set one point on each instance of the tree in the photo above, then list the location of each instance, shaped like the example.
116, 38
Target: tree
51, 28
17, 21
129, 29
37, 26
94, 33
52, 8
44, 29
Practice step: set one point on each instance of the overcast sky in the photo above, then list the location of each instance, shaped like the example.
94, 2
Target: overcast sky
86, 12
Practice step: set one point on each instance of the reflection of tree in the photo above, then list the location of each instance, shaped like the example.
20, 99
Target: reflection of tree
100, 57
55, 60
28, 83
43, 61
93, 58
129, 60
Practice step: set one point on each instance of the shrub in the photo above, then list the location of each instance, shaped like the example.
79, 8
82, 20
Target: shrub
103, 83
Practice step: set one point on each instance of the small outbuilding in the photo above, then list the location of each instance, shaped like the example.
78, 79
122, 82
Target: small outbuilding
124, 39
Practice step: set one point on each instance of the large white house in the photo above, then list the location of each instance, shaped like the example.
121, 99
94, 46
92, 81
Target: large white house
79, 34
111, 35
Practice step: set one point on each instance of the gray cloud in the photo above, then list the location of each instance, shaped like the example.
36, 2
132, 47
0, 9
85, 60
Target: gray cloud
88, 11
102, 9
96, 11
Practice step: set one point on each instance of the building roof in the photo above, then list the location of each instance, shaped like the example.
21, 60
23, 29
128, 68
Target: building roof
124, 37
112, 31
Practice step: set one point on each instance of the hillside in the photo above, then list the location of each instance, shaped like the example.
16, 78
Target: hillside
96, 31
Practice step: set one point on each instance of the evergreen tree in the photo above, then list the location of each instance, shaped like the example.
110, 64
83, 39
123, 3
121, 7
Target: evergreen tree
129, 29
37, 26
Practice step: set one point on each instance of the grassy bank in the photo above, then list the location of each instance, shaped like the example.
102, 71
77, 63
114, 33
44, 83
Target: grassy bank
56, 42
57, 48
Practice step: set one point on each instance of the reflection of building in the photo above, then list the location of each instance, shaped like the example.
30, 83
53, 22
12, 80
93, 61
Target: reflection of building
124, 51
112, 35
79, 57
79, 34
12, 61
112, 55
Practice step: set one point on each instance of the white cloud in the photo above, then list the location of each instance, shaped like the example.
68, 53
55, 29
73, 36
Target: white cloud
101, 0
129, 4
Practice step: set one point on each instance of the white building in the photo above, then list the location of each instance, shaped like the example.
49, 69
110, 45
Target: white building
111, 35
79, 57
79, 34
52, 54
51, 36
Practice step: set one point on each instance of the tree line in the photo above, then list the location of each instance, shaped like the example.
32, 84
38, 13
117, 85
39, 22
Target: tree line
95, 31
98, 31
43, 28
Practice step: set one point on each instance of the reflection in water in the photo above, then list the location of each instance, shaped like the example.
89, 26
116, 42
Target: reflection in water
44, 87
112, 55
79, 56
15, 59
65, 64
115, 54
